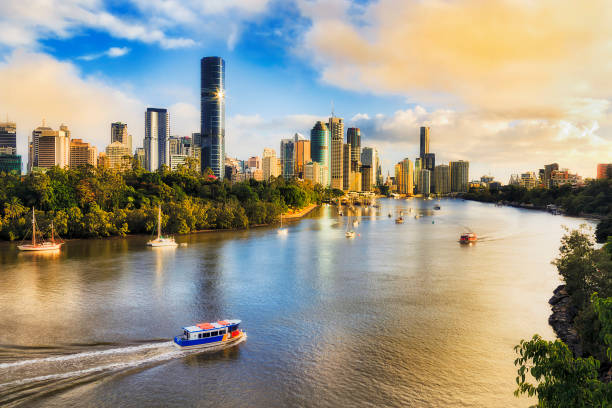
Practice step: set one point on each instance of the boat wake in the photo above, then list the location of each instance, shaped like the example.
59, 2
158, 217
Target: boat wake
21, 381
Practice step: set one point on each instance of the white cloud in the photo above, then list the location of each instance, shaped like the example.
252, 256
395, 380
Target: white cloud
112, 52
35, 86
24, 23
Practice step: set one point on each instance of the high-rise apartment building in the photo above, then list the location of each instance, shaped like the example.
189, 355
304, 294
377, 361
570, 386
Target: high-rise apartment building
119, 133
369, 157
269, 164
336, 131
404, 178
425, 182
366, 178
353, 137
118, 156
320, 144
82, 154
302, 156
157, 133
346, 166
8, 137
212, 118
460, 174
604, 171
139, 156
418, 166
442, 179
424, 145
10, 163
254, 162
50, 147
548, 169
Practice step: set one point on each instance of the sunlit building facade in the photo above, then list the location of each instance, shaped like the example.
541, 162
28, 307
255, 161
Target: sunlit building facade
82, 154
442, 179
320, 144
336, 131
212, 118
157, 134
460, 174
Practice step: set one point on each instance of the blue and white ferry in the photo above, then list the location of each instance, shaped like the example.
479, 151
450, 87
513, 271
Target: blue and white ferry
205, 335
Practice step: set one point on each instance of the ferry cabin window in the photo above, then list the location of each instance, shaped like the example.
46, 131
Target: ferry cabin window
206, 335
213, 334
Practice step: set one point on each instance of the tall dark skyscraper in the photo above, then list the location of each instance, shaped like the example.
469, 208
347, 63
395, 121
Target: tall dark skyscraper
353, 137
212, 118
424, 142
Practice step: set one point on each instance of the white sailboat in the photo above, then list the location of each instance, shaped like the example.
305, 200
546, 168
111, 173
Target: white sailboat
281, 230
349, 233
43, 245
161, 241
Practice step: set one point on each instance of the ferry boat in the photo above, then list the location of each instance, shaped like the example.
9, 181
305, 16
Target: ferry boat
468, 238
41, 245
206, 335
399, 220
161, 241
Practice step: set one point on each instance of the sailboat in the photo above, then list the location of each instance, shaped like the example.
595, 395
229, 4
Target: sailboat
43, 245
281, 230
349, 233
161, 241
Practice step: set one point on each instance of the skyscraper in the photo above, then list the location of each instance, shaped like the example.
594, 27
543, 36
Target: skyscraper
353, 137
460, 174
424, 142
212, 118
302, 156
336, 130
369, 157
442, 182
346, 166
118, 156
430, 164
268, 162
50, 147
119, 133
157, 133
424, 182
404, 177
8, 137
418, 166
319, 144
82, 154
287, 156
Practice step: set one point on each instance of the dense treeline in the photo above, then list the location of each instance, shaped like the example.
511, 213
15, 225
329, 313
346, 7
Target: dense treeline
562, 379
593, 198
94, 202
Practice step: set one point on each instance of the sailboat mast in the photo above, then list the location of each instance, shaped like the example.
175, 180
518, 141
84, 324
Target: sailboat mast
33, 228
52, 237
159, 222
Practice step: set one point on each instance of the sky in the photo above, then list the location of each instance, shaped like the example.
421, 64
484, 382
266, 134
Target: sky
509, 85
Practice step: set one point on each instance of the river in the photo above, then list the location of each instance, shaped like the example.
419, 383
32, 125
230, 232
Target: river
401, 315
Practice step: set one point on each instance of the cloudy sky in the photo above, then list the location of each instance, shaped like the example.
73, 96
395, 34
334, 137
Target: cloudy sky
508, 85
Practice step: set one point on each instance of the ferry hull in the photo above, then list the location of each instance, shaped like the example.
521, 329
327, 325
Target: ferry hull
201, 345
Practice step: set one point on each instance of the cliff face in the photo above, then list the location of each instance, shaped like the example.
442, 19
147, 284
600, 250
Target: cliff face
562, 319
562, 322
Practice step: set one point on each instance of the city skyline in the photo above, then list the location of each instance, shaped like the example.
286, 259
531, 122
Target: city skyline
274, 91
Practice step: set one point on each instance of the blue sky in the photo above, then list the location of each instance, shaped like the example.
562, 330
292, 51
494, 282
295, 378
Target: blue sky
497, 96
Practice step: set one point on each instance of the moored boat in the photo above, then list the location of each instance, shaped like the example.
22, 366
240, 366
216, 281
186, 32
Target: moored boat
468, 238
41, 245
207, 335
161, 241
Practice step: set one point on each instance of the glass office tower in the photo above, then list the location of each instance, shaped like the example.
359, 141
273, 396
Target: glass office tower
212, 119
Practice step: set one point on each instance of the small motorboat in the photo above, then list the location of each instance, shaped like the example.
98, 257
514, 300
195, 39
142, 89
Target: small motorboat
468, 238
281, 230
207, 335
399, 220
436, 207
389, 215
349, 234
355, 223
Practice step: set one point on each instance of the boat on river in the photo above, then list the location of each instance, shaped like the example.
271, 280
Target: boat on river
468, 238
41, 246
161, 241
207, 335
281, 230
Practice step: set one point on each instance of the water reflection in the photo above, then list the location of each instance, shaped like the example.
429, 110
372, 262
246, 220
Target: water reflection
401, 315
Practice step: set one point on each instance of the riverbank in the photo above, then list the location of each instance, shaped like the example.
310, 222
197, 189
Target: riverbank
300, 213
562, 319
